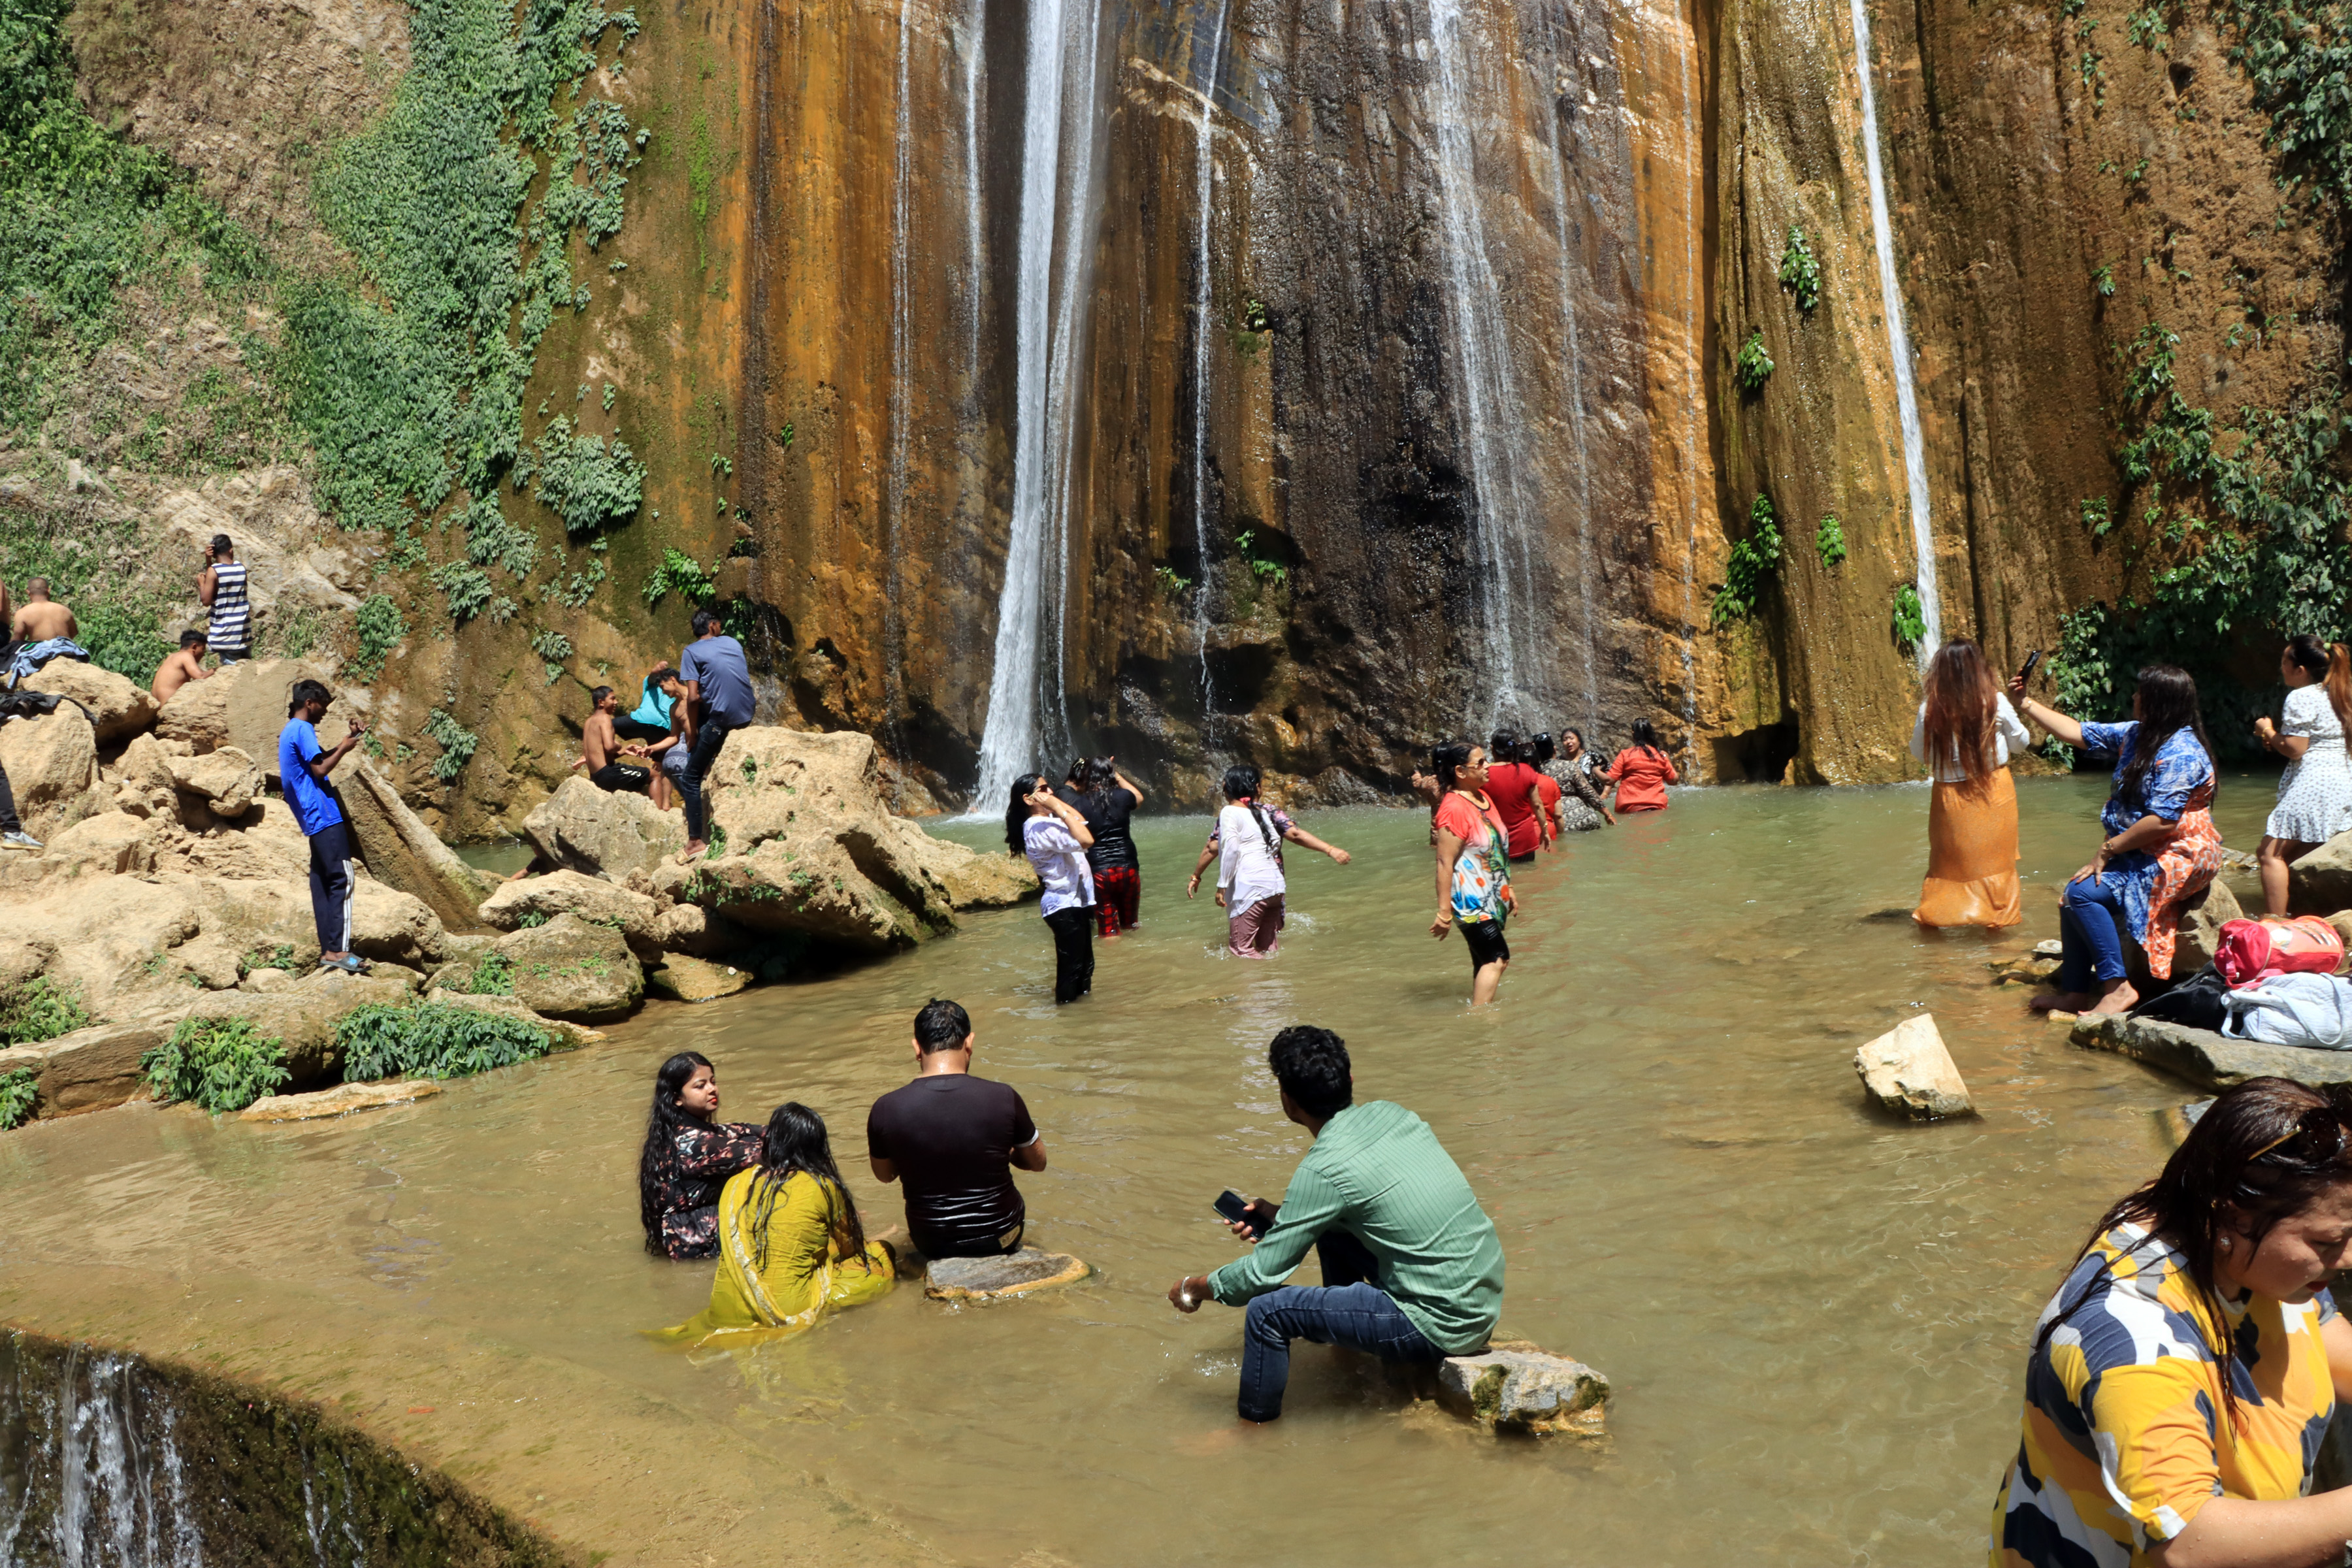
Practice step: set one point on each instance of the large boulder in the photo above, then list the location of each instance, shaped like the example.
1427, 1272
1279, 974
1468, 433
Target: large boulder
1907, 1071
973, 879
569, 968
691, 928
535, 899
243, 706
603, 833
112, 843
118, 707
2321, 882
402, 851
225, 779
52, 766
2210, 1061
264, 845
304, 1016
394, 927
1515, 1386
2202, 920
293, 558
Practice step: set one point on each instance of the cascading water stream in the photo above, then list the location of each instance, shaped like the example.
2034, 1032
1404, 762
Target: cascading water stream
1488, 397
1575, 409
1898, 346
1693, 414
1025, 696
894, 539
1205, 163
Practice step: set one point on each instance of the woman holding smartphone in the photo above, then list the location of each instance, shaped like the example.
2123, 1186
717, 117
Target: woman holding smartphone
1964, 732
1055, 838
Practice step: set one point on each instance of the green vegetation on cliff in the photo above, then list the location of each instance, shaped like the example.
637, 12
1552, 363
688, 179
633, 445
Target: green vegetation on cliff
220, 1064
434, 1040
1752, 562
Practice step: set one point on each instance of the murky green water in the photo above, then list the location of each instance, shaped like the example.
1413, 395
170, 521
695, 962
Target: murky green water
1814, 1317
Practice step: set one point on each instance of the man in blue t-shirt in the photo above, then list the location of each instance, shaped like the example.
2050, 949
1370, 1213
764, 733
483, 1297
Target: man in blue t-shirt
718, 702
302, 770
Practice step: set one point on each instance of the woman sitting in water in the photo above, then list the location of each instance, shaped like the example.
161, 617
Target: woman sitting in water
687, 1155
1642, 771
2161, 847
1967, 727
2183, 1376
790, 1248
2315, 794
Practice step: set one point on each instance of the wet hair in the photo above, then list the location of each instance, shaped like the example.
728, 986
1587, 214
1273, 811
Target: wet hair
2167, 705
1312, 1067
1645, 734
221, 545
942, 1026
667, 1120
1503, 746
2330, 662
795, 1140
1962, 701
1016, 810
655, 681
1242, 783
1443, 760
305, 691
2268, 1148
704, 622
596, 697
1540, 750
192, 638
1102, 774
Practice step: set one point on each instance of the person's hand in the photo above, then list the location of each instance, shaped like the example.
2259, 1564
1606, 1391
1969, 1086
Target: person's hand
1220, 898
1261, 1220
2098, 865
1606, 817
2016, 688
579, 762
1510, 898
1341, 857
1194, 886
358, 728
1187, 1294
2264, 731
1442, 924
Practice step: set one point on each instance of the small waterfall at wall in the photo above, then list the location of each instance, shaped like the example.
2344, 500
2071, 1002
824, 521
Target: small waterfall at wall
894, 534
1488, 398
1205, 163
1695, 414
1057, 147
117, 1494
1575, 404
1898, 345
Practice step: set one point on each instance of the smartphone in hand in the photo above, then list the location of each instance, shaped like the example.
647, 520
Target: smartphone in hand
1233, 1206
2031, 658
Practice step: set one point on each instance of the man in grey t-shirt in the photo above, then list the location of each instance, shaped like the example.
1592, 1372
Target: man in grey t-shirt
718, 702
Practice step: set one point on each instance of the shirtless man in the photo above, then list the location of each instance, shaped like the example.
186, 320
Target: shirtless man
42, 619
599, 746
183, 667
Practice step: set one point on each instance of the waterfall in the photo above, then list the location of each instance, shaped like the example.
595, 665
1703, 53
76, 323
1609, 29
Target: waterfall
1898, 345
1057, 118
103, 1482
1489, 399
974, 194
1695, 407
1575, 404
1204, 165
894, 543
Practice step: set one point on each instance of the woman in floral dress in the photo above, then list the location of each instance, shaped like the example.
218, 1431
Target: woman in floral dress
688, 1157
2314, 795
1474, 871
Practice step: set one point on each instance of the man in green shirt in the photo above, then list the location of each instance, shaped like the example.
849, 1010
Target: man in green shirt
1411, 1267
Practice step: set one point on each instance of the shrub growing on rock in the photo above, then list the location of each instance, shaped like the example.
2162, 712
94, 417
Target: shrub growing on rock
434, 1040
40, 1009
220, 1064
16, 1097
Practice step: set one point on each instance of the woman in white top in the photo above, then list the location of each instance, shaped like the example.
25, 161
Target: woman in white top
1965, 730
1055, 838
1249, 868
2315, 794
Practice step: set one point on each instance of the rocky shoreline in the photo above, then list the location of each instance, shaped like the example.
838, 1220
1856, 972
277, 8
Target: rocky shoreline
174, 885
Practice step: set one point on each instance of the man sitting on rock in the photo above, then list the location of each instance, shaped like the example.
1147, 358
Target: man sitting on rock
667, 750
187, 665
42, 629
599, 746
954, 1140
1411, 1268
302, 770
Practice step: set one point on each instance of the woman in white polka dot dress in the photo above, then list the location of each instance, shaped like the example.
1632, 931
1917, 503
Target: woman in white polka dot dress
2314, 795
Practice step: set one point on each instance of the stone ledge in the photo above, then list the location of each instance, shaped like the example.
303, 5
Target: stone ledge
2210, 1061
995, 1279
340, 1101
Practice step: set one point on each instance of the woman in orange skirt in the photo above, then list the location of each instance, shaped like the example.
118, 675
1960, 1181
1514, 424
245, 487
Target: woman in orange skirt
1964, 732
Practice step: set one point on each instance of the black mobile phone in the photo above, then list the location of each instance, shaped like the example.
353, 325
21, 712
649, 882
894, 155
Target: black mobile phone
1235, 1207
2031, 658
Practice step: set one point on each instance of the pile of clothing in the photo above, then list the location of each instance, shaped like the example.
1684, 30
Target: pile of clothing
2273, 982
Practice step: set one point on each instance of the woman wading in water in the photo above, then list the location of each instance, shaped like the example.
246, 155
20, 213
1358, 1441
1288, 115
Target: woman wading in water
790, 1248
687, 1156
1055, 838
2183, 1376
2315, 794
1581, 807
1474, 871
2161, 848
1107, 805
1642, 771
1245, 779
1967, 727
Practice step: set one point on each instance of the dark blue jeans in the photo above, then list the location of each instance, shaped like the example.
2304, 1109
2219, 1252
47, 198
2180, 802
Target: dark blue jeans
1348, 1309
2093, 945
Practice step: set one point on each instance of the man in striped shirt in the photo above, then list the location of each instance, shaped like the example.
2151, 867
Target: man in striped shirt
221, 586
1412, 1270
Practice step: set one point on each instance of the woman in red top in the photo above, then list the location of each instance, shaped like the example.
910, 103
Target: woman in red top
1516, 791
1474, 881
1641, 771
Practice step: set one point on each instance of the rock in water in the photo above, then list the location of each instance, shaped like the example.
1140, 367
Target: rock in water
340, 1101
570, 969
991, 1279
2321, 882
537, 900
1515, 1386
2210, 1061
685, 979
1908, 1071
603, 833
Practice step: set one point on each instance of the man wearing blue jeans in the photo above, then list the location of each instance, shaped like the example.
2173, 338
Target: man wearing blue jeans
1412, 1270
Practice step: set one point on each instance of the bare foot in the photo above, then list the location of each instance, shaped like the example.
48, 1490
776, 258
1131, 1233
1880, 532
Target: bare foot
2119, 998
2061, 1002
694, 847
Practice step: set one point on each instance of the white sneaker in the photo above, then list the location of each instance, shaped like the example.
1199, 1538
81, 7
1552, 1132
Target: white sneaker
18, 839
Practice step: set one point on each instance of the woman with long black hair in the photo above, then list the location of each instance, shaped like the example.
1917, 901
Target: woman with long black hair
1474, 870
1250, 883
791, 1246
687, 1154
2315, 794
1055, 838
1642, 770
1964, 732
2161, 848
2183, 1376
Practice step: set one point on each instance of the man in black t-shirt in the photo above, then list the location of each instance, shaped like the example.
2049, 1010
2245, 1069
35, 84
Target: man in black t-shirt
954, 1140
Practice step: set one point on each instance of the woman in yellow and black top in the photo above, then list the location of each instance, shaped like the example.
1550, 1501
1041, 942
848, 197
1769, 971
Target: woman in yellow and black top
2183, 1376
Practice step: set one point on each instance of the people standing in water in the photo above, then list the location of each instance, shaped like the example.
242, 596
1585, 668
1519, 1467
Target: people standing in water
1109, 804
1288, 831
2184, 1372
954, 1139
1582, 806
791, 1246
2315, 794
1250, 883
2160, 850
1536, 753
1966, 729
1516, 791
1474, 873
1642, 770
689, 1154
1055, 838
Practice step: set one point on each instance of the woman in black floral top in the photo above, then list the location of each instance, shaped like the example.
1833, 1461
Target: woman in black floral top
688, 1158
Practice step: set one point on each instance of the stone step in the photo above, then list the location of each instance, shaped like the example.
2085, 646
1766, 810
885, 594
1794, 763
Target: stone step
340, 1101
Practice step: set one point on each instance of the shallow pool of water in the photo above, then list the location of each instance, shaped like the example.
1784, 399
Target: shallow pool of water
1814, 1316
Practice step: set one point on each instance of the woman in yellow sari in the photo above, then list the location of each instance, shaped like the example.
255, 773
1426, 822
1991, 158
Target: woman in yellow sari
790, 1248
